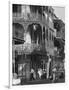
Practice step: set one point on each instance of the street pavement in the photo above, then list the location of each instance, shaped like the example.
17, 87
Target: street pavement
47, 81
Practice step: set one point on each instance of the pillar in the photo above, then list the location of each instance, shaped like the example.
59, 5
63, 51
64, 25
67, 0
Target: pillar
42, 34
47, 70
48, 66
13, 55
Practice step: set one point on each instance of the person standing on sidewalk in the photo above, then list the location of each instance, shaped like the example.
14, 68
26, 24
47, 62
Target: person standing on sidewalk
54, 73
32, 74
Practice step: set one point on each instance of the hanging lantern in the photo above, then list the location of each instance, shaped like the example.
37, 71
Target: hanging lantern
34, 27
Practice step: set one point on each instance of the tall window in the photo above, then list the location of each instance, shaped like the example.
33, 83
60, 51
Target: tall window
16, 8
47, 34
18, 31
50, 35
44, 34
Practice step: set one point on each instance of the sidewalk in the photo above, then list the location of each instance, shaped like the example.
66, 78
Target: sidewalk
47, 81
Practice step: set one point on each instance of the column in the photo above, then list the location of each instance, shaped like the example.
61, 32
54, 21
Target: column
48, 66
45, 38
13, 56
47, 70
42, 34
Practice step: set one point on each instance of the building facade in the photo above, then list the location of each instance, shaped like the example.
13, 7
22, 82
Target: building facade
33, 38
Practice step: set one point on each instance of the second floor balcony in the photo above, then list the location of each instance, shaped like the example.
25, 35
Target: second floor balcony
26, 12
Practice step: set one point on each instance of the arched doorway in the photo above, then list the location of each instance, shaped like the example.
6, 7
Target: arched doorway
18, 33
35, 31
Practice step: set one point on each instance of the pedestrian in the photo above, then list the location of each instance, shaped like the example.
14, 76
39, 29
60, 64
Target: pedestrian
54, 73
40, 73
32, 74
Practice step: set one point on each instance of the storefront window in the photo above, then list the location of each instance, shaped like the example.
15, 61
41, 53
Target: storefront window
21, 69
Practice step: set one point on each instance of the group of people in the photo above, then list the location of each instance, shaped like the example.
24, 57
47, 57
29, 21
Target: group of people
37, 75
42, 74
